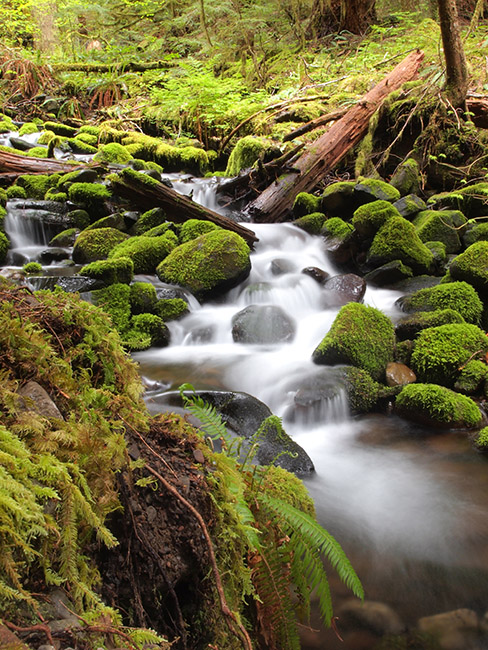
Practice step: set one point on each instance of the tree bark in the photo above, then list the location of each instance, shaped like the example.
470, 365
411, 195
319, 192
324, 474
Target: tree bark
332, 16
274, 204
456, 68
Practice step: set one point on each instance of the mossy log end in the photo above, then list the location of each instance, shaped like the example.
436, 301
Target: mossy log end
274, 204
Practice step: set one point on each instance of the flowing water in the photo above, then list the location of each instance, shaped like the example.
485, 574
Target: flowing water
408, 506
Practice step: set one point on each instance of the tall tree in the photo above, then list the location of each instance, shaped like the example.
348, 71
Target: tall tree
457, 79
329, 16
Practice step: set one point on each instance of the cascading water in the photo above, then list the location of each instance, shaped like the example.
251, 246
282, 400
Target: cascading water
408, 506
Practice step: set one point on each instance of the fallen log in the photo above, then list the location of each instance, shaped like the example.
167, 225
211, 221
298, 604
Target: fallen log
314, 124
15, 164
149, 193
275, 203
116, 68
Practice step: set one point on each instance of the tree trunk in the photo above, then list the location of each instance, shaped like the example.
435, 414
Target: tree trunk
456, 68
274, 204
331, 16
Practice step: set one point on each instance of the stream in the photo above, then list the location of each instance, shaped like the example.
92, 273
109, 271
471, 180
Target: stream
407, 505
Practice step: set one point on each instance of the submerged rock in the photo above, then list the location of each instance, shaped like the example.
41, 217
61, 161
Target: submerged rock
266, 324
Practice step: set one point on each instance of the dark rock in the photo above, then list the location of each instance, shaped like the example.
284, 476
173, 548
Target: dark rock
389, 274
282, 266
21, 145
342, 289
53, 255
35, 398
263, 324
377, 617
319, 275
409, 206
398, 374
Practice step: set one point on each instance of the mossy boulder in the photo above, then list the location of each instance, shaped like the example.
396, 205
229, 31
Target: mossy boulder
115, 220
60, 129
445, 226
115, 301
311, 223
36, 185
438, 250
397, 239
4, 246
410, 205
440, 352
389, 274
92, 245
32, 268
78, 218
410, 326
245, 153
113, 152
361, 389
110, 271
437, 406
148, 220
407, 178
145, 331
193, 228
145, 252
369, 218
171, 308
16, 192
91, 197
208, 265
360, 336
472, 267
472, 377
143, 297
305, 203
373, 189
475, 232
65, 238
459, 296
339, 200
481, 440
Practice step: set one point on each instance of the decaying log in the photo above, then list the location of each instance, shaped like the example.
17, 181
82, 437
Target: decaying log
274, 204
15, 164
117, 68
313, 124
179, 208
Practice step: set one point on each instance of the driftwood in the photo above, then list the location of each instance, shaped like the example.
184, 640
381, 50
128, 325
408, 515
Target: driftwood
274, 204
179, 208
313, 124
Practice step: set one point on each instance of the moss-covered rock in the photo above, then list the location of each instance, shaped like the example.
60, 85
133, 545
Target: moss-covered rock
60, 129
91, 197
4, 246
337, 228
305, 203
145, 331
36, 185
437, 406
115, 220
339, 200
441, 351
410, 205
109, 272
143, 297
475, 232
38, 152
245, 153
481, 440
64, 238
16, 192
311, 223
369, 218
27, 128
459, 296
445, 226
374, 189
115, 301
145, 252
92, 245
3, 197
79, 218
148, 220
407, 178
31, 268
360, 336
54, 195
113, 152
472, 267
171, 308
362, 391
209, 264
389, 274
438, 250
397, 239
410, 326
471, 200
193, 228
471, 377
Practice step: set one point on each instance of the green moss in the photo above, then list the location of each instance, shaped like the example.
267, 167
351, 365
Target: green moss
60, 129
115, 301
171, 308
90, 196
472, 266
217, 259
362, 391
481, 441
115, 220
194, 160
79, 218
438, 250
336, 227
88, 138
286, 486
91, 129
16, 192
142, 297
36, 185
478, 232
32, 267
245, 153
360, 336
338, 200
407, 178
28, 127
113, 153
166, 228
3, 197
459, 296
65, 238
409, 327
369, 218
305, 203
397, 239
436, 404
445, 226
109, 272
37, 152
80, 146
146, 330
4, 246
471, 377
441, 351
145, 252
311, 223
6, 124
150, 219
53, 195
193, 228
93, 245
375, 189
46, 137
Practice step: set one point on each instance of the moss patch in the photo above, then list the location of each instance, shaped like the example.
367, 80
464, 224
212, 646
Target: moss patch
459, 296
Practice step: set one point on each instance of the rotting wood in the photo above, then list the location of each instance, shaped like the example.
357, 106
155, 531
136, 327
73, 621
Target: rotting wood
314, 124
179, 208
15, 164
275, 203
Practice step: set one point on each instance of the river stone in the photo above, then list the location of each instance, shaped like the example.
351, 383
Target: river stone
455, 630
319, 275
280, 266
339, 249
388, 274
53, 254
264, 324
342, 289
377, 617
20, 144
78, 284
243, 414
398, 374
35, 398
409, 206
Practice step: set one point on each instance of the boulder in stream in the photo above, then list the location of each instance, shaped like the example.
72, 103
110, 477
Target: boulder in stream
262, 324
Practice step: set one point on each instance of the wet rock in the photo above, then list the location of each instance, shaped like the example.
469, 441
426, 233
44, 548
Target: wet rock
455, 630
319, 275
78, 283
389, 274
53, 254
20, 144
342, 289
410, 205
398, 374
281, 266
264, 324
339, 200
35, 398
376, 617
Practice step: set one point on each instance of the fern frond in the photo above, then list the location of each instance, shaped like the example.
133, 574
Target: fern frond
211, 421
